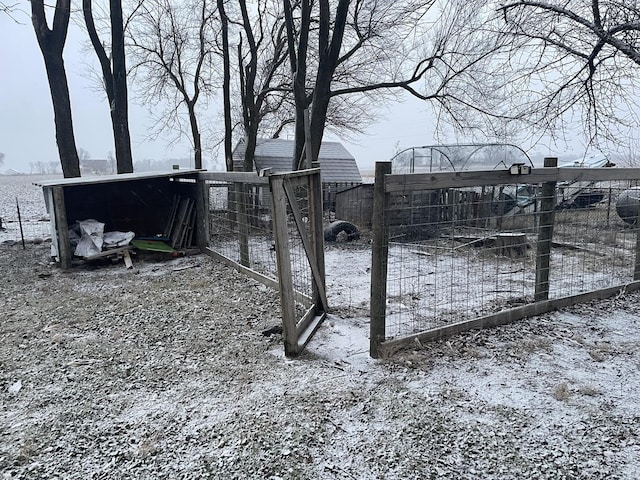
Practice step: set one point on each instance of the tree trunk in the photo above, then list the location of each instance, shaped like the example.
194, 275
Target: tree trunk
195, 135
226, 88
329, 54
298, 59
120, 105
51, 42
251, 141
115, 81
65, 138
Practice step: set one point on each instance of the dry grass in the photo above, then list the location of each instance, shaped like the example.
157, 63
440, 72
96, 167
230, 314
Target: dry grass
589, 391
561, 392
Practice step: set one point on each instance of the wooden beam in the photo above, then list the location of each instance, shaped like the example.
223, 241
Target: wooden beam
234, 177
404, 183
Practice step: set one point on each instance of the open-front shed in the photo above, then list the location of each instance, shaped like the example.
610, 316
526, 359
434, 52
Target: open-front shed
163, 205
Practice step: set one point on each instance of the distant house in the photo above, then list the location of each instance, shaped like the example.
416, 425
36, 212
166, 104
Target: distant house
95, 167
11, 171
337, 166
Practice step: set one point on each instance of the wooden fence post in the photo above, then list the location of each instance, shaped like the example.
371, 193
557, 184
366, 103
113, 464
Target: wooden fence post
243, 223
545, 234
202, 213
636, 267
379, 260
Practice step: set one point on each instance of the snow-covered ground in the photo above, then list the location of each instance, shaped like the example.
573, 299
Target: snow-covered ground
162, 372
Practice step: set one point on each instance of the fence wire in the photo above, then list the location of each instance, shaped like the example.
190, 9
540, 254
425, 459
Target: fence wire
300, 268
241, 230
457, 254
22, 211
240, 225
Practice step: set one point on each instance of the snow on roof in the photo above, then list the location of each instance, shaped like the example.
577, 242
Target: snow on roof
336, 163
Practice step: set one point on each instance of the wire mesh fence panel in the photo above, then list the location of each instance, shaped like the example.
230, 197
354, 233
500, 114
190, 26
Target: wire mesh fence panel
240, 225
456, 255
23, 213
300, 267
593, 246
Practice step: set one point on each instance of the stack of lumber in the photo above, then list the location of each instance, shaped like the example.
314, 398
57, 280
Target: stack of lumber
181, 224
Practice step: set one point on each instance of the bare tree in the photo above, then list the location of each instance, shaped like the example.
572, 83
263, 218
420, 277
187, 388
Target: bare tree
83, 155
1, 159
114, 74
173, 49
575, 56
51, 42
263, 87
9, 9
362, 53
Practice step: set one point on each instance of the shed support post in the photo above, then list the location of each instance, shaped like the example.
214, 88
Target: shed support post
60, 213
379, 260
202, 213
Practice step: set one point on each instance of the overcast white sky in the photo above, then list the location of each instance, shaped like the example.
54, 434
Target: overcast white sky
27, 130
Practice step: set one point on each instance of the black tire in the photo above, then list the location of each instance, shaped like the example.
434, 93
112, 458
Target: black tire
334, 229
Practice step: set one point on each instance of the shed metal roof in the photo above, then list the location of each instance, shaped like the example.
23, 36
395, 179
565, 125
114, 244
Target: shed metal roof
123, 177
337, 165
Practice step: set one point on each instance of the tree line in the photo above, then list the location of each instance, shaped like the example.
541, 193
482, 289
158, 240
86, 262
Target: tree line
308, 66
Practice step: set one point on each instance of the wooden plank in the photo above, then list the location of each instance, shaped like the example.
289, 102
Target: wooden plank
404, 183
127, 259
188, 238
317, 232
179, 224
310, 328
283, 256
299, 173
186, 225
107, 253
260, 277
506, 317
234, 177
172, 216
